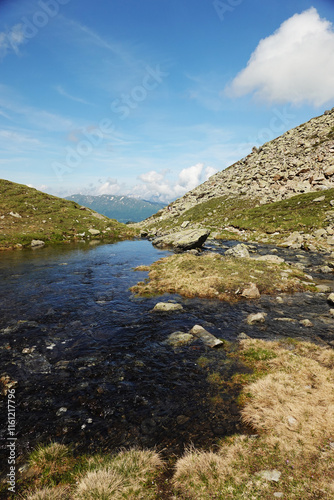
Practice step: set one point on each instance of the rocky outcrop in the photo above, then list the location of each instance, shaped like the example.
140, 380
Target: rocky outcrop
299, 161
183, 240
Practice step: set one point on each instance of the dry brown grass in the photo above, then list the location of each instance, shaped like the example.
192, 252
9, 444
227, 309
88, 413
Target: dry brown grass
213, 276
59, 493
291, 409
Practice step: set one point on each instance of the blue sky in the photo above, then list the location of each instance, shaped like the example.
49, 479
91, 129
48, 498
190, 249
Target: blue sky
151, 97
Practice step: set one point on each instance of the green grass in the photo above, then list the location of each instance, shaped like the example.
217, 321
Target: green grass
49, 218
298, 213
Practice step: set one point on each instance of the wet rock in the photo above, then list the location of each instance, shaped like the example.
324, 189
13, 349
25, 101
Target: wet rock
36, 363
256, 318
330, 298
242, 336
239, 251
61, 411
252, 292
183, 240
177, 339
306, 322
37, 243
167, 307
286, 320
207, 338
182, 419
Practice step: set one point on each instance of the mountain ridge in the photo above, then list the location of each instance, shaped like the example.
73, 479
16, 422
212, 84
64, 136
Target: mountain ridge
120, 207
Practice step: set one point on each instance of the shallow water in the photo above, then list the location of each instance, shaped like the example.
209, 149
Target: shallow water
91, 361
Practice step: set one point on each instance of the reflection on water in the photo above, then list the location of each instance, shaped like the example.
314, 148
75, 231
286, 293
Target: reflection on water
91, 360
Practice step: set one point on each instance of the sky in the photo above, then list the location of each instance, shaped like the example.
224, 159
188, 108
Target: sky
150, 98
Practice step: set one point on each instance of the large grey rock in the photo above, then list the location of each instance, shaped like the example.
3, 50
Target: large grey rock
183, 240
167, 307
207, 338
239, 251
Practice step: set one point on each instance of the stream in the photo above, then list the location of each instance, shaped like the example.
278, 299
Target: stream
92, 363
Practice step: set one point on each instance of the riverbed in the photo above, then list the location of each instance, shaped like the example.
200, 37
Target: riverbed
92, 362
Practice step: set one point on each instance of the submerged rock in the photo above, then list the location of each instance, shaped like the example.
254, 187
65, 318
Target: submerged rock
183, 240
177, 339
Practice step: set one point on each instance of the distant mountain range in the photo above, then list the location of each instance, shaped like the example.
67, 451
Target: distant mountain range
122, 208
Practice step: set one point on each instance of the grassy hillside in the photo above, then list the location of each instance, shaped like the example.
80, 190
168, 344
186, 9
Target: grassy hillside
300, 213
27, 214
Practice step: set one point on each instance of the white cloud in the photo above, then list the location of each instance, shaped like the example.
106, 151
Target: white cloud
295, 64
63, 92
157, 186
11, 41
110, 186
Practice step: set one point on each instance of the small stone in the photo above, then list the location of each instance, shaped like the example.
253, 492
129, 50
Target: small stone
16, 215
292, 421
278, 494
279, 300
321, 198
275, 259
256, 318
330, 298
306, 322
323, 288
61, 411
185, 224
94, 232
167, 307
270, 475
239, 251
37, 243
242, 336
182, 419
252, 292
331, 311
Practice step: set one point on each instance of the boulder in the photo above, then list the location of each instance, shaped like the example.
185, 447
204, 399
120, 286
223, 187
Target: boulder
183, 240
167, 307
207, 338
239, 251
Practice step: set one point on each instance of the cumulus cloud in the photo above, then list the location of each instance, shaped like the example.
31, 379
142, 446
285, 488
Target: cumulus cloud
295, 64
109, 186
157, 186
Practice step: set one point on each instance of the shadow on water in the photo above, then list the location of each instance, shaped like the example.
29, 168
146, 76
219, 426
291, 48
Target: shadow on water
92, 363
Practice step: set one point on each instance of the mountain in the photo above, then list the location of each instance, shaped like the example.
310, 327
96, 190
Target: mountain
28, 215
122, 208
286, 186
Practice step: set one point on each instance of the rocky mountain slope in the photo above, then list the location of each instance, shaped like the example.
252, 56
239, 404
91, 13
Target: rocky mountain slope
291, 176
31, 218
122, 208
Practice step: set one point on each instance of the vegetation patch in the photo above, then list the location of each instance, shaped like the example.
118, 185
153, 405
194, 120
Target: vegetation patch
214, 276
289, 408
27, 214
